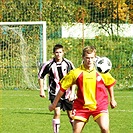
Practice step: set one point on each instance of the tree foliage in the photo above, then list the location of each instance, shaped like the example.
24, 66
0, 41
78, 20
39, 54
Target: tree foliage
56, 12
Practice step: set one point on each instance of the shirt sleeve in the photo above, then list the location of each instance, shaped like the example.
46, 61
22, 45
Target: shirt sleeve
67, 81
72, 65
108, 80
43, 71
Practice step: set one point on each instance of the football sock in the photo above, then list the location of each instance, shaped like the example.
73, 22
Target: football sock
71, 121
56, 125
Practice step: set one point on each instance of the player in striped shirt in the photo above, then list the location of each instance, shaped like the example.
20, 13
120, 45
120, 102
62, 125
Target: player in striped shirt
57, 68
92, 96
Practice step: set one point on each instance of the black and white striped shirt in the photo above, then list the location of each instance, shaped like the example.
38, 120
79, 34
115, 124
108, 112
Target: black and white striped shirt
56, 71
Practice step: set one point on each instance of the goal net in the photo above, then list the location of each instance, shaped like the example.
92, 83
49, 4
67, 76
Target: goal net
22, 51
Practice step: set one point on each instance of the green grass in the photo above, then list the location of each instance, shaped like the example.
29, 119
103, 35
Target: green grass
23, 111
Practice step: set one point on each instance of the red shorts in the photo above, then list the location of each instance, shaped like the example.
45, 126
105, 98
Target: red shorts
84, 114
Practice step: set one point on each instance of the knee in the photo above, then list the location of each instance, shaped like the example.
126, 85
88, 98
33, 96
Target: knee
104, 129
57, 114
69, 113
70, 117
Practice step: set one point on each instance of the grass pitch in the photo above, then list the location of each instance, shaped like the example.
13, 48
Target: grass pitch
23, 111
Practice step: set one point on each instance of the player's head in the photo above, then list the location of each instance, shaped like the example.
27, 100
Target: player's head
57, 46
88, 50
58, 52
88, 56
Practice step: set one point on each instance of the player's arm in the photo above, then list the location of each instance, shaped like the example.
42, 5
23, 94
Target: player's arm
41, 84
57, 98
72, 95
113, 103
41, 77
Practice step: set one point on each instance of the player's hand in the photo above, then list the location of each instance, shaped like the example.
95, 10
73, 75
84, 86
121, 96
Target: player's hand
72, 97
42, 94
113, 104
51, 107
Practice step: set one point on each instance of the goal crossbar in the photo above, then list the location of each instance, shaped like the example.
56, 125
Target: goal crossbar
24, 23
43, 23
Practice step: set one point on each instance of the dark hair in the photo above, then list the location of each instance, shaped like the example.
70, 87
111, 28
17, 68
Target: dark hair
57, 46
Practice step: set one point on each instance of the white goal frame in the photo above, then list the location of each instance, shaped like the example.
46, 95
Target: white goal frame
43, 23
44, 49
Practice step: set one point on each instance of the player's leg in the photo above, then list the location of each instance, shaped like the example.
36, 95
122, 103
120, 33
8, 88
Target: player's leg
67, 105
56, 117
56, 113
78, 126
69, 113
81, 117
56, 120
103, 122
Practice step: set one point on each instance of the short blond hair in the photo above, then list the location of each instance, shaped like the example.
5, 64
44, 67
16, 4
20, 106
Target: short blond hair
88, 50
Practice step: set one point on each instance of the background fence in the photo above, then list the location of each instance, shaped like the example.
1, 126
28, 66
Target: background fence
68, 22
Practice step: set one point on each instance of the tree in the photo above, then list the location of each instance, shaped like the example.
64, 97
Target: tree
57, 12
130, 5
107, 13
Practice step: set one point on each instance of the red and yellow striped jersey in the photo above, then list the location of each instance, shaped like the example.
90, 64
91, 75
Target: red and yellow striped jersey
92, 87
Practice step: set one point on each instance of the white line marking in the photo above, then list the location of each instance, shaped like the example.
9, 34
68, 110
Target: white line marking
114, 110
121, 110
21, 95
123, 96
22, 108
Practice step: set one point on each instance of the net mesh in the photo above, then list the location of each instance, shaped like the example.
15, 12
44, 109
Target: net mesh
108, 25
19, 48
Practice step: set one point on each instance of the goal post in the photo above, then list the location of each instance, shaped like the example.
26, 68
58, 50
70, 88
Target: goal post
23, 42
43, 38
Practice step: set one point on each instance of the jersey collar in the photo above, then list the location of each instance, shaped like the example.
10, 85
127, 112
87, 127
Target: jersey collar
83, 68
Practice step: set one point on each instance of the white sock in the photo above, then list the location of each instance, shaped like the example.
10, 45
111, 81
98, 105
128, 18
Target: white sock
71, 121
56, 125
